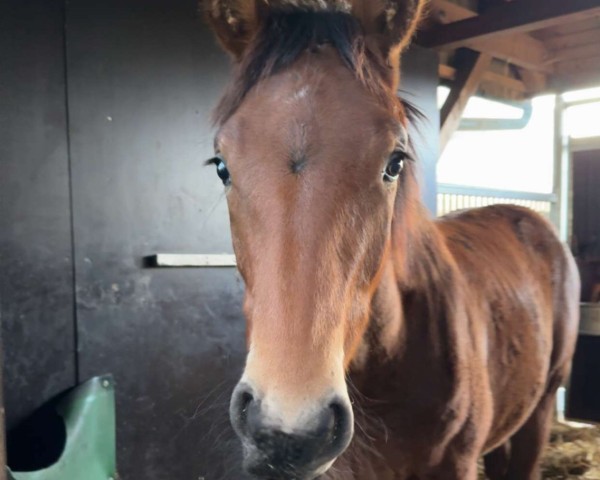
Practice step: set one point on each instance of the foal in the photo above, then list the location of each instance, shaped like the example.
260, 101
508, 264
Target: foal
454, 334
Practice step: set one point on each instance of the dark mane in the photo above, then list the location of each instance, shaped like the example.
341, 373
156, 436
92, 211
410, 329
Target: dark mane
285, 35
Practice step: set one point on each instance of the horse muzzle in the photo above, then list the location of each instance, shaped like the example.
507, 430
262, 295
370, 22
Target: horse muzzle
301, 454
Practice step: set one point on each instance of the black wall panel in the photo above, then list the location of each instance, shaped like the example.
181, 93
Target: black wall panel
143, 78
2, 420
36, 297
584, 388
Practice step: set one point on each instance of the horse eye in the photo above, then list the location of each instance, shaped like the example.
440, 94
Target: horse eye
394, 167
222, 170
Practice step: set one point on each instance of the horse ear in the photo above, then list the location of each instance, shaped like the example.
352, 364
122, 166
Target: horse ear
390, 23
234, 22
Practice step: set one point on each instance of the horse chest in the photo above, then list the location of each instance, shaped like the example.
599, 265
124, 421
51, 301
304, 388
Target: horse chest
413, 410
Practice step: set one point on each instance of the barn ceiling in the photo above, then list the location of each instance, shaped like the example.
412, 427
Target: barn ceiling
534, 45
513, 49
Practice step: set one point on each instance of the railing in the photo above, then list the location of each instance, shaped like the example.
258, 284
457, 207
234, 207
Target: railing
457, 197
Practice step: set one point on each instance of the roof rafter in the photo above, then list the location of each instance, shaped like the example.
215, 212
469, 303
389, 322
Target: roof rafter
521, 49
513, 17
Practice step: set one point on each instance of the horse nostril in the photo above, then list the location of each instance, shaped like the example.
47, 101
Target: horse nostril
241, 401
245, 400
342, 425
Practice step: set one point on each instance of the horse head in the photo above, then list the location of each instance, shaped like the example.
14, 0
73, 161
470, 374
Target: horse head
312, 148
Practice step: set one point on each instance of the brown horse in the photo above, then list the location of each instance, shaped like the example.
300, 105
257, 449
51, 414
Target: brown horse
452, 335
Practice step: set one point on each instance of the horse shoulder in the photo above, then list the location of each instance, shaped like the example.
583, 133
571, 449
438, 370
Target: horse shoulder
520, 280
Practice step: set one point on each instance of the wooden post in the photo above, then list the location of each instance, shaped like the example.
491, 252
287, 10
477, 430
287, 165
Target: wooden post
467, 81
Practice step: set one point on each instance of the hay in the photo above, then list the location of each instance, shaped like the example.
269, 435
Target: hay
573, 454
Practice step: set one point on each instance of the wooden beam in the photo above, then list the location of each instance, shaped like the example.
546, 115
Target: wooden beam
514, 17
574, 67
579, 73
591, 22
534, 82
446, 72
449, 73
520, 49
587, 37
485, 5
575, 80
467, 81
574, 53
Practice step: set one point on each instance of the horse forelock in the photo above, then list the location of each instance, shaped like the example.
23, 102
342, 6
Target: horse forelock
288, 32
313, 5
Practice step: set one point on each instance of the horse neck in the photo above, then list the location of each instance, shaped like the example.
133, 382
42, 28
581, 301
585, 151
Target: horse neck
412, 342
409, 344
417, 299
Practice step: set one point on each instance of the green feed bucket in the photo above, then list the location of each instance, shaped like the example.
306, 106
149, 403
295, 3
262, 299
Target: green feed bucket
89, 453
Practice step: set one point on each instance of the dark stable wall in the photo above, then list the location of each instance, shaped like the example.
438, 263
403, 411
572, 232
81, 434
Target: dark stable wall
36, 277
2, 436
584, 389
142, 77
586, 217
586, 199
